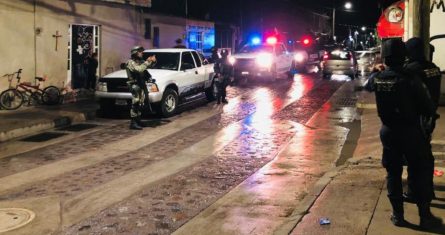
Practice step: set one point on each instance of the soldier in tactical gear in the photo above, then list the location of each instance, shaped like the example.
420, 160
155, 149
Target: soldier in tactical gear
223, 72
430, 75
401, 99
214, 58
135, 68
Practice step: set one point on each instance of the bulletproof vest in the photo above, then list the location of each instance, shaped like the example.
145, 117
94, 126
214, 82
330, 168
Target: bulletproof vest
136, 77
430, 75
394, 101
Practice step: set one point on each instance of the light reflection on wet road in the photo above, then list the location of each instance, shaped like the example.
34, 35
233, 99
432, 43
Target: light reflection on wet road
257, 107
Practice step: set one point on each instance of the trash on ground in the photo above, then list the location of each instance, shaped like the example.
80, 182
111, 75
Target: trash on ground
438, 173
325, 221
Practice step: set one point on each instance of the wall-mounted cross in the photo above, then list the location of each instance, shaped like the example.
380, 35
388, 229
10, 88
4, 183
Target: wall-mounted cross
57, 36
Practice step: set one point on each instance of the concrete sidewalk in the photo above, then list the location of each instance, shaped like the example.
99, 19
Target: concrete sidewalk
355, 200
29, 120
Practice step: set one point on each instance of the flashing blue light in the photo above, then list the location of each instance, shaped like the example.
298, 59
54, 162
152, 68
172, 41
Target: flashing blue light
256, 40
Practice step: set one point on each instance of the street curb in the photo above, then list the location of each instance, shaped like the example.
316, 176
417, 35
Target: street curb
297, 215
46, 125
363, 105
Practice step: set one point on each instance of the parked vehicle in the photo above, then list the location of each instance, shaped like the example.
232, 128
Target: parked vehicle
339, 62
180, 75
265, 60
366, 60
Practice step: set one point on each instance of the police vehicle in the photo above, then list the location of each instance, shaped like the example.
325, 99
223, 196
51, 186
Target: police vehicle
264, 60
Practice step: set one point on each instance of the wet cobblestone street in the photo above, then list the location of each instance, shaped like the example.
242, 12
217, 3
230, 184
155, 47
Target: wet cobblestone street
264, 112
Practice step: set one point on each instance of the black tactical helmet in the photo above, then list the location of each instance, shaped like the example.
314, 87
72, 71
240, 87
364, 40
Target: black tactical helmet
394, 48
414, 48
137, 49
224, 53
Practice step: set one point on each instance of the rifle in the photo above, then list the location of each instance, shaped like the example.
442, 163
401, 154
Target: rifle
142, 82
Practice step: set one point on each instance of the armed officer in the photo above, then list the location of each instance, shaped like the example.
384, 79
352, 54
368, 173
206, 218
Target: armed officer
136, 67
224, 71
430, 75
401, 100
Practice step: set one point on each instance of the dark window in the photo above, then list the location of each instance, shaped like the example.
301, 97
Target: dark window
197, 59
147, 34
156, 37
165, 60
187, 61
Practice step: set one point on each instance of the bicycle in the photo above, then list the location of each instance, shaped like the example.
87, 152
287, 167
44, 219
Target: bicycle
25, 92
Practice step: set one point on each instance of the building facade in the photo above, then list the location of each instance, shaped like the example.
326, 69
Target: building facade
53, 38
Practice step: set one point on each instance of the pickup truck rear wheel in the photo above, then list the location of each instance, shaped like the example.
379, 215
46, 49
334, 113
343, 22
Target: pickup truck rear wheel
106, 106
169, 103
211, 92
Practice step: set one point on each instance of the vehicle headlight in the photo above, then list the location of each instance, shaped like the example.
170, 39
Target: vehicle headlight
101, 86
152, 87
299, 57
232, 60
264, 60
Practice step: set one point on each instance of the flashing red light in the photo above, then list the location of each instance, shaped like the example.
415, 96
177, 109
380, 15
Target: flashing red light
306, 41
272, 40
325, 56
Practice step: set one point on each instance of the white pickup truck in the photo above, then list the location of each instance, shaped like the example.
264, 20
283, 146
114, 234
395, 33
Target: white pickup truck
266, 60
180, 74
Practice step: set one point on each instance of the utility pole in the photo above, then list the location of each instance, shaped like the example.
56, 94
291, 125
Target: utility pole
333, 22
421, 22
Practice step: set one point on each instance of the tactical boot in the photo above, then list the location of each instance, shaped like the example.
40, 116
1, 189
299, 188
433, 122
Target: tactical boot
427, 219
398, 220
141, 123
409, 197
134, 125
397, 217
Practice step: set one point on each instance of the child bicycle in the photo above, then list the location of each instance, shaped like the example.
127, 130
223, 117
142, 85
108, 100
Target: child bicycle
26, 93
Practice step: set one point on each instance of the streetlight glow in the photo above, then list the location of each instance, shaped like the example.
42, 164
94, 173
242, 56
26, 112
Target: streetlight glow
348, 6
363, 28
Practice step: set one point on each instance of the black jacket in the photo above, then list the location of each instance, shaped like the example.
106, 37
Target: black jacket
401, 97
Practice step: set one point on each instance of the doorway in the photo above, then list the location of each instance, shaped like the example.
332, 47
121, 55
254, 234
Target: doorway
84, 41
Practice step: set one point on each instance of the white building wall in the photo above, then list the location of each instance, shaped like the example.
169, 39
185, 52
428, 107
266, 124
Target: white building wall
437, 29
121, 28
17, 40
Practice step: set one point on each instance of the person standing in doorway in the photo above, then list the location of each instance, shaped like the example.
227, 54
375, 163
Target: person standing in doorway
92, 71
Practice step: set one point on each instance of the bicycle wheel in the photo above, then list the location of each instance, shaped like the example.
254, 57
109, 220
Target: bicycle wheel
11, 99
35, 98
51, 95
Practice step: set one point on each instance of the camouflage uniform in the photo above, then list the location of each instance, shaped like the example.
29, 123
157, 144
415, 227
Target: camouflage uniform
135, 68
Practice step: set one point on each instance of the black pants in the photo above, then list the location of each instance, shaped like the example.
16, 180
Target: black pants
410, 144
91, 81
221, 93
431, 164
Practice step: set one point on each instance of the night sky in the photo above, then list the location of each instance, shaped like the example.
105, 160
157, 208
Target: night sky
253, 13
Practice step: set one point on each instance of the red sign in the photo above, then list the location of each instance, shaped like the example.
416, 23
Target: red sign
391, 24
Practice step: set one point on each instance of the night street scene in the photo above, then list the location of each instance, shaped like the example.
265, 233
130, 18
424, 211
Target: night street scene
207, 117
